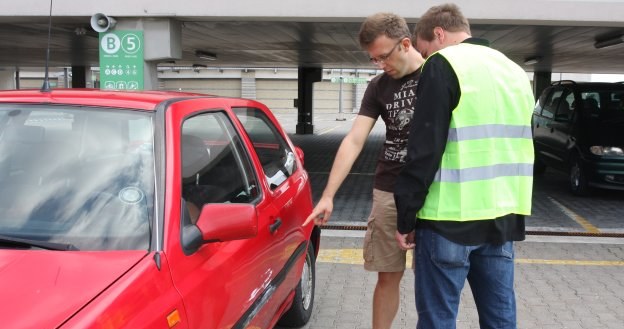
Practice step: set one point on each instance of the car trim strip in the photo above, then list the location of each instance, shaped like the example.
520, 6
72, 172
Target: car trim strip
257, 305
484, 172
489, 131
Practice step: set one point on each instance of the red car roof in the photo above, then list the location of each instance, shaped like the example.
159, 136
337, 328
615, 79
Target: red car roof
145, 100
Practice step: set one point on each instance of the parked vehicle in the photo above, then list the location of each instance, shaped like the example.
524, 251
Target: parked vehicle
151, 210
578, 128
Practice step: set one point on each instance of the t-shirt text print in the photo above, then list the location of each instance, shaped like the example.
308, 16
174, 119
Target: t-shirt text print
400, 112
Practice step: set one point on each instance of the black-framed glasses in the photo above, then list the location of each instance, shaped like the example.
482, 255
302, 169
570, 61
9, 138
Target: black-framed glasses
384, 57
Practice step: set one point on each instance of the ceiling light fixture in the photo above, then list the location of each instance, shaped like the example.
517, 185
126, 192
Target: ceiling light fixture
205, 55
609, 42
532, 60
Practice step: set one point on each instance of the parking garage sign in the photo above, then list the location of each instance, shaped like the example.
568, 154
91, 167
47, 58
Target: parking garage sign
121, 60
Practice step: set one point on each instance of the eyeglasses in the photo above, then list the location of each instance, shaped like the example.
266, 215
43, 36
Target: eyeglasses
383, 58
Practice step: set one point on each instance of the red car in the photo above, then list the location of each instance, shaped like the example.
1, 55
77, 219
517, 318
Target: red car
151, 210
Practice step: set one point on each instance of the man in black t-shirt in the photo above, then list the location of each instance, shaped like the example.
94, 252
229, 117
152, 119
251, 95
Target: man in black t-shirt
391, 96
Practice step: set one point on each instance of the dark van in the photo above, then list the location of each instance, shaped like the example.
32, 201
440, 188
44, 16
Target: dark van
578, 128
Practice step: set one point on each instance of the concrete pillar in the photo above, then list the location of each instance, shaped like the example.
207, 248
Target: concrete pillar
150, 75
307, 77
7, 79
163, 41
541, 80
79, 79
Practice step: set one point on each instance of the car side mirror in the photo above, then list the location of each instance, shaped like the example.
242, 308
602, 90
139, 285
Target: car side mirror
289, 164
219, 222
300, 154
227, 221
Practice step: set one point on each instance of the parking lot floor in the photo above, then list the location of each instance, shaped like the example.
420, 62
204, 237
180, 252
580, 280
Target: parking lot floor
561, 281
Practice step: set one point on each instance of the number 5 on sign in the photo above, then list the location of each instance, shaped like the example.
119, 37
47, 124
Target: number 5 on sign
131, 43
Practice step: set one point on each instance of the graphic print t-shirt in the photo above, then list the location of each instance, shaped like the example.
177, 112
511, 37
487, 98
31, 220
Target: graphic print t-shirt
393, 100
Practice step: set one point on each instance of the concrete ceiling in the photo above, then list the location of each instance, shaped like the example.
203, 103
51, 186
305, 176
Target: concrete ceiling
567, 49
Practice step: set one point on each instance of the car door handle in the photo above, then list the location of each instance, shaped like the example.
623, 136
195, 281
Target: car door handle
276, 224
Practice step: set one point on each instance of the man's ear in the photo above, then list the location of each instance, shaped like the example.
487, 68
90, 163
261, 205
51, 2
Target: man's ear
406, 43
438, 34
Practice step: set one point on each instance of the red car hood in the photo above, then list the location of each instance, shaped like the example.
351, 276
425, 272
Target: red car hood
41, 289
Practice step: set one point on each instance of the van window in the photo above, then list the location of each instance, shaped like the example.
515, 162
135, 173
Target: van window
591, 103
551, 104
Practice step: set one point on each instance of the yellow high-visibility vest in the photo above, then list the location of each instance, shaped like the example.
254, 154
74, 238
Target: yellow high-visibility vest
487, 166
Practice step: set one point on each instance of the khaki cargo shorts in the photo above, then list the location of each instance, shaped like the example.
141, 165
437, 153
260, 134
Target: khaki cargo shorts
381, 250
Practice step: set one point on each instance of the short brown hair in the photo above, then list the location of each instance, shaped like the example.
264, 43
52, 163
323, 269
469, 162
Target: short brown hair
447, 16
388, 24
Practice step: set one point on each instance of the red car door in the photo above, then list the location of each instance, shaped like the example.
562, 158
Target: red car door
287, 183
232, 284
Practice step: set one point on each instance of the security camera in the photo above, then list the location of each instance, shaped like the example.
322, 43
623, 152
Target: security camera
102, 23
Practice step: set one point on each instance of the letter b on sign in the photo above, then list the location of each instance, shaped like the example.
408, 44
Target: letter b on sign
110, 43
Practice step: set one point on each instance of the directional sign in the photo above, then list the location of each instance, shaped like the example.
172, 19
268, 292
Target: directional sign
121, 60
349, 80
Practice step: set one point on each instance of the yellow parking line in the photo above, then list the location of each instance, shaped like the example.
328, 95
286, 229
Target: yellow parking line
354, 257
575, 217
570, 262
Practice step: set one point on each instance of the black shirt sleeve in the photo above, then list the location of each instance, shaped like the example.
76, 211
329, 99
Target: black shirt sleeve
437, 95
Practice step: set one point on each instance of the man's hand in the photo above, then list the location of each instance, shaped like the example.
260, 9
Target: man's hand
321, 212
406, 241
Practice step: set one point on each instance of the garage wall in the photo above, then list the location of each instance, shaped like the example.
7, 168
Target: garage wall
277, 94
221, 87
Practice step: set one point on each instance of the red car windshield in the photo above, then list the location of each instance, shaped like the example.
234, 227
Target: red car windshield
75, 175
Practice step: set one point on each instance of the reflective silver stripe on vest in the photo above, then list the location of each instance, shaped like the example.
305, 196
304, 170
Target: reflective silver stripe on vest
489, 131
483, 173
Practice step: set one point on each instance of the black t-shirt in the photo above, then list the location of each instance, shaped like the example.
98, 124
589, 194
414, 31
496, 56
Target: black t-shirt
392, 100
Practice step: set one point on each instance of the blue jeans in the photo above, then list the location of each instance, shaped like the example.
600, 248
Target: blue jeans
442, 267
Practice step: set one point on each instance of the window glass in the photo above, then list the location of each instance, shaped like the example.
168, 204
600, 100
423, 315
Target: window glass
215, 166
591, 103
541, 101
83, 177
564, 109
617, 101
613, 108
551, 103
277, 159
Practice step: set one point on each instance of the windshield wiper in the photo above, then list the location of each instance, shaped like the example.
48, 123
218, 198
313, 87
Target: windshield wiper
9, 240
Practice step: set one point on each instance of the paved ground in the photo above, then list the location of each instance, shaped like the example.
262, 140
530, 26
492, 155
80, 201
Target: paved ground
573, 283
561, 282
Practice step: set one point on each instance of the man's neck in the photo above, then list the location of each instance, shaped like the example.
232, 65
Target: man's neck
415, 60
453, 38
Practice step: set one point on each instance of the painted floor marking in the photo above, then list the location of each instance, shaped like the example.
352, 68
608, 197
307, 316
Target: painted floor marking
576, 217
354, 257
351, 173
326, 130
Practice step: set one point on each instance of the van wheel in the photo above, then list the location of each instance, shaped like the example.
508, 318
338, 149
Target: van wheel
578, 178
301, 310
